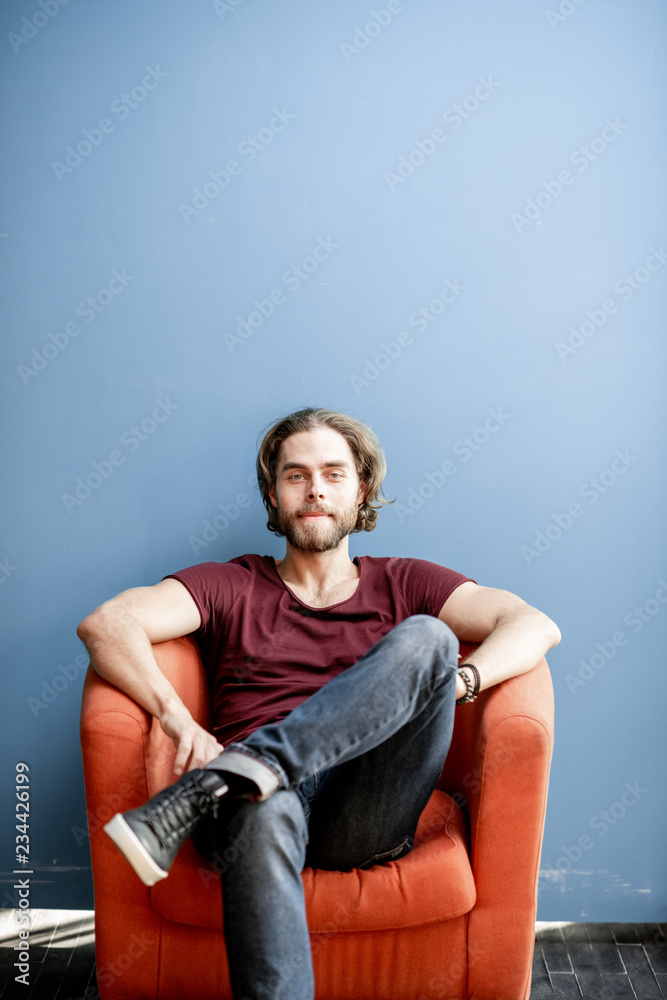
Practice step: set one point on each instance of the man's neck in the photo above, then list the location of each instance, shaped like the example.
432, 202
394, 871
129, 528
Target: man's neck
317, 573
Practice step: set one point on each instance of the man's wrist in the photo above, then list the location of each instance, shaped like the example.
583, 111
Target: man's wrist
173, 708
468, 674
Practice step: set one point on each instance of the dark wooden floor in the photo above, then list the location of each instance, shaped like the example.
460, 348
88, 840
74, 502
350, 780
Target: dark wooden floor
601, 961
62, 956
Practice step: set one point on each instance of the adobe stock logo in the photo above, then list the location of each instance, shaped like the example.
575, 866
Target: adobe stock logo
605, 651
88, 310
249, 149
212, 528
6, 569
223, 7
580, 158
454, 116
625, 287
59, 683
603, 821
421, 319
378, 21
31, 26
591, 490
131, 440
292, 279
465, 448
122, 107
566, 8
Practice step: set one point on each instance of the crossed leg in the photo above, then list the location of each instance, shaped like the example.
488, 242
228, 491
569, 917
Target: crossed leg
357, 763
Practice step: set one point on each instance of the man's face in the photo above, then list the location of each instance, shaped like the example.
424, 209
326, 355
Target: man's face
317, 492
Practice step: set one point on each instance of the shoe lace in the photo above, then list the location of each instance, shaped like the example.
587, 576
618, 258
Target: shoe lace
174, 813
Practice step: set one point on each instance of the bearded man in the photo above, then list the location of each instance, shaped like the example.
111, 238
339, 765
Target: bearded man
334, 683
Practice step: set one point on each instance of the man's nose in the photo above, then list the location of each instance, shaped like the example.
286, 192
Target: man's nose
315, 488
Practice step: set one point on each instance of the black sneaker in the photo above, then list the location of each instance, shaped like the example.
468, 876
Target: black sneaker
151, 836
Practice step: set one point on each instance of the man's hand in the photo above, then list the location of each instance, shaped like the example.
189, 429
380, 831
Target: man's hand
195, 747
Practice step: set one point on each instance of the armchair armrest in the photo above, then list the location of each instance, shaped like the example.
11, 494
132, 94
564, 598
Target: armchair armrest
126, 759
122, 743
499, 764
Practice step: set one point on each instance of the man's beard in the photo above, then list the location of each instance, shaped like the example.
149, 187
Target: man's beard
317, 536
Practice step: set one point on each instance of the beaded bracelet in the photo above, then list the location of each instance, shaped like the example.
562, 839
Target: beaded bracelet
472, 687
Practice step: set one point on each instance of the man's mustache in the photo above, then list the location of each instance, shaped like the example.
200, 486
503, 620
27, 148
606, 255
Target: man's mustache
314, 510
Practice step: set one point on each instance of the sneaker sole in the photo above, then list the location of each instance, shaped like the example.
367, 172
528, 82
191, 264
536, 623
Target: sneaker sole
134, 851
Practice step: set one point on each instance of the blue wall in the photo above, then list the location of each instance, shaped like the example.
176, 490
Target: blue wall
445, 219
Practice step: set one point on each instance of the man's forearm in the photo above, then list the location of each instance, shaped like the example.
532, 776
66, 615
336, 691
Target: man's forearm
517, 643
119, 637
121, 653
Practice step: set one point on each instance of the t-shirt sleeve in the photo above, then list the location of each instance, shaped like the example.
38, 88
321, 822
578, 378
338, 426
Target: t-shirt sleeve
214, 588
427, 585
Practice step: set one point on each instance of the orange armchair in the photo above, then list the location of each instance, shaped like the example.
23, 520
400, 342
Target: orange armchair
453, 919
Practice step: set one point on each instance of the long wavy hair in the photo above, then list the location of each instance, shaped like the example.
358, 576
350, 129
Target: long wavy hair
367, 451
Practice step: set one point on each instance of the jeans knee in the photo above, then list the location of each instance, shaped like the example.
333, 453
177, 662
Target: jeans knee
432, 631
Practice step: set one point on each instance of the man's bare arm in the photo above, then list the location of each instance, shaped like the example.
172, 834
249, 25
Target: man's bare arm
514, 636
118, 637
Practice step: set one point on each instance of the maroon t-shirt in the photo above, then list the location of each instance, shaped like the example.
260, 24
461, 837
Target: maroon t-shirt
266, 651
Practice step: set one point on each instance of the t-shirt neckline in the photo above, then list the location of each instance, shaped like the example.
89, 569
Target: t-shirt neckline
329, 607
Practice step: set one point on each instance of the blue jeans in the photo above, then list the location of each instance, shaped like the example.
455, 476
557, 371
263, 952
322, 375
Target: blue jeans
357, 763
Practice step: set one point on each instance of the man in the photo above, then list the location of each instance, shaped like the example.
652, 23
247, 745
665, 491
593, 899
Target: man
334, 683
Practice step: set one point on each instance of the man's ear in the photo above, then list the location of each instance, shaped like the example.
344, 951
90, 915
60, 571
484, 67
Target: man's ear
362, 492
272, 496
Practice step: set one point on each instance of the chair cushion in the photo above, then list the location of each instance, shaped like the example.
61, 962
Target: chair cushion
432, 883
